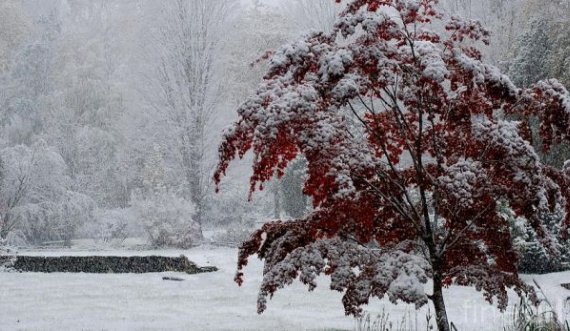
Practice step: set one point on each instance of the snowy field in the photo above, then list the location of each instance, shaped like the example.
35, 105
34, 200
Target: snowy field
212, 301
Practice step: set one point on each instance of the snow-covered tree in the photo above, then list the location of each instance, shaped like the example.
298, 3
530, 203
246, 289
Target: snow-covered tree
27, 83
541, 51
504, 18
311, 15
261, 29
36, 198
162, 211
533, 257
559, 67
14, 26
186, 87
558, 62
85, 111
415, 197
62, 89
533, 47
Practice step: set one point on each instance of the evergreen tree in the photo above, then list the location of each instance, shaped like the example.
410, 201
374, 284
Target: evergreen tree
543, 51
533, 258
558, 61
533, 47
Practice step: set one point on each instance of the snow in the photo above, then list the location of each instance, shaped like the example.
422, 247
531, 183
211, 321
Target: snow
460, 181
553, 88
335, 64
128, 301
212, 301
431, 58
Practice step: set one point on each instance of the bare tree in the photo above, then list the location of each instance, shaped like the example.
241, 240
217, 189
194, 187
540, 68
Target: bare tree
15, 188
312, 15
188, 86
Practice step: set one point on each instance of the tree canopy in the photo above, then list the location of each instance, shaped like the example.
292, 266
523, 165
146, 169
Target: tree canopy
409, 154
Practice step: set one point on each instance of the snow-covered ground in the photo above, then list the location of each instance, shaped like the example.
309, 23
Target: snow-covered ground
212, 301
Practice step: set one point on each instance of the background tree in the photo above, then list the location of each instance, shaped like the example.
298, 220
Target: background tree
189, 86
311, 15
424, 181
260, 27
533, 257
533, 47
89, 103
504, 18
37, 200
74, 74
14, 26
541, 52
559, 59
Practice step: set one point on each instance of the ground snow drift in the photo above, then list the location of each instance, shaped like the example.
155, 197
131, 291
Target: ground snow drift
212, 301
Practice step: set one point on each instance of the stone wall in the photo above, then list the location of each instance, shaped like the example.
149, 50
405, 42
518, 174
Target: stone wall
107, 264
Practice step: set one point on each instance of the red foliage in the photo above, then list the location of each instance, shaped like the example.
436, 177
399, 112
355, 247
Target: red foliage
408, 153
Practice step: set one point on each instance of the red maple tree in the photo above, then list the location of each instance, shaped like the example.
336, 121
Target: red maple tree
410, 147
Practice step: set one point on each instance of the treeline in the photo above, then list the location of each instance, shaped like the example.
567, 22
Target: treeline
111, 112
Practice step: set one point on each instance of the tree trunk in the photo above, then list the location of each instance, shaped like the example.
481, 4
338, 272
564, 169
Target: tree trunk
192, 158
439, 304
4, 228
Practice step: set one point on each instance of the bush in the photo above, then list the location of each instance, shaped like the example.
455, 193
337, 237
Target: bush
167, 219
235, 233
14, 238
231, 207
112, 226
37, 198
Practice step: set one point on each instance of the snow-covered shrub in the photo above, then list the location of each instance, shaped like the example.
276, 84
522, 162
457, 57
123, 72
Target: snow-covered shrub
167, 219
36, 196
112, 226
237, 216
235, 233
56, 220
3, 246
231, 206
15, 238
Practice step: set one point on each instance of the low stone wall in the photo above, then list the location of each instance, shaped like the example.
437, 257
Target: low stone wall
107, 264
